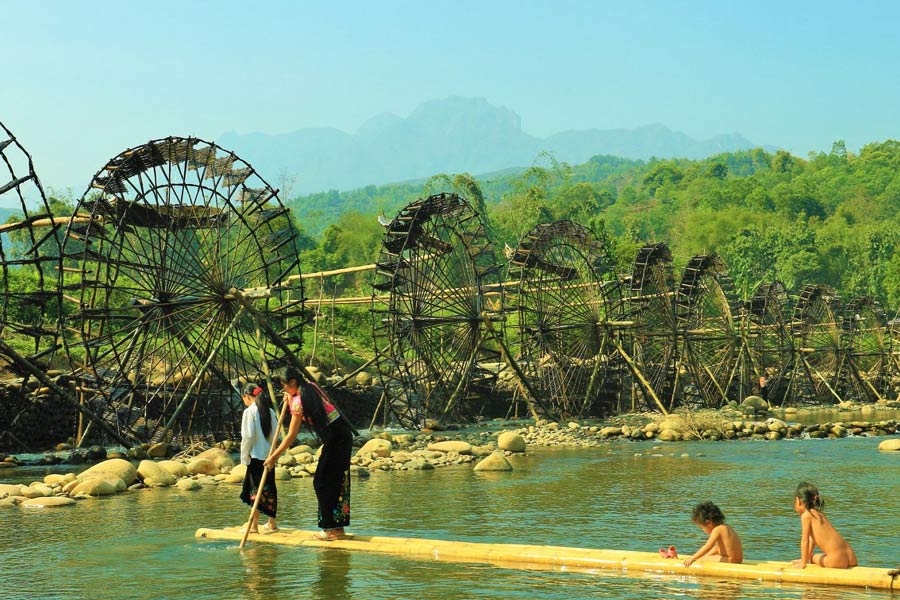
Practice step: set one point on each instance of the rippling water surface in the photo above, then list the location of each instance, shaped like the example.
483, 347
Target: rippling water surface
625, 495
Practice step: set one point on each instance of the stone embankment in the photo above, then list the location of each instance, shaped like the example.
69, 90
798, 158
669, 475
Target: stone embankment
215, 466
154, 466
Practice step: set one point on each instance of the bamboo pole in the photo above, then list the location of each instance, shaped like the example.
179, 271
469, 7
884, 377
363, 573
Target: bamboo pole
48, 222
863, 380
312, 355
321, 274
276, 339
333, 349
640, 377
262, 479
43, 378
377, 408
199, 375
524, 384
821, 377
359, 369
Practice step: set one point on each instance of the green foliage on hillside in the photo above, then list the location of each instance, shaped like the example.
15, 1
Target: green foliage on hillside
832, 218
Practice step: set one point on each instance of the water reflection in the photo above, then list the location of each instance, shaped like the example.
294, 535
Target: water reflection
259, 564
824, 415
333, 581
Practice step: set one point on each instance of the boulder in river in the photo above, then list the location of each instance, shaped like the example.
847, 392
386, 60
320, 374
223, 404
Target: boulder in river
376, 446
756, 403
154, 475
10, 489
188, 485
511, 442
94, 488
457, 446
114, 468
178, 469
219, 457
495, 462
47, 502
202, 466
891, 445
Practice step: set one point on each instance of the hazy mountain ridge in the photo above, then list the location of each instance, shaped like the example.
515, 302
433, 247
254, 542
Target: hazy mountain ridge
447, 136
7, 212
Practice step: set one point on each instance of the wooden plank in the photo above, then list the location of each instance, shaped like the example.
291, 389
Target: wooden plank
563, 558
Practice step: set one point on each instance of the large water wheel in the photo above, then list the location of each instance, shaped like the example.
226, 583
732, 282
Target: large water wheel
159, 240
29, 264
567, 294
768, 341
867, 351
655, 333
818, 357
893, 331
711, 339
442, 280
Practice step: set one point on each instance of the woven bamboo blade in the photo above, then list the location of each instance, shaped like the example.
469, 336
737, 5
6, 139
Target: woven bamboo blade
558, 558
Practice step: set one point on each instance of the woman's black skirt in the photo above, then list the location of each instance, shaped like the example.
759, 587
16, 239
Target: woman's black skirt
332, 479
268, 502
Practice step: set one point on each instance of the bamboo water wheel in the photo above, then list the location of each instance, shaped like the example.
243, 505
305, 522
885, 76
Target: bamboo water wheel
893, 331
163, 235
29, 264
655, 335
867, 351
710, 330
768, 341
566, 293
442, 280
818, 356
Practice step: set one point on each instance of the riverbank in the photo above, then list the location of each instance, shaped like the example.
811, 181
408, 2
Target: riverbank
487, 446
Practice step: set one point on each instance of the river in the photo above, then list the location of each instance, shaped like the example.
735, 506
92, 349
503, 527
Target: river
626, 495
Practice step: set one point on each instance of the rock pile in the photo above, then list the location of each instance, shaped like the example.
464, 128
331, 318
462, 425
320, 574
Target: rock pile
488, 450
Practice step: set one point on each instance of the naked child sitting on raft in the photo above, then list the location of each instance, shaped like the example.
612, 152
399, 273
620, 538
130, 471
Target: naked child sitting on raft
818, 531
723, 544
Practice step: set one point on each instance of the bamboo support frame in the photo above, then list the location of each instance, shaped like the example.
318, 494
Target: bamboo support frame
199, 376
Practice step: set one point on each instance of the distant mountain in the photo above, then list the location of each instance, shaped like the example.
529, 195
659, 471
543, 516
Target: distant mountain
452, 135
6, 213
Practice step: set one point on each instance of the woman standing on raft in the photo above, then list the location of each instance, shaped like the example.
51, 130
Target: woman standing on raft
258, 431
309, 404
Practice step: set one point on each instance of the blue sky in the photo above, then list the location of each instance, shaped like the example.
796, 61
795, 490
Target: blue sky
82, 81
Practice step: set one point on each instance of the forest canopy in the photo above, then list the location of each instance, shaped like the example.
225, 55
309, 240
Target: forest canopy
832, 218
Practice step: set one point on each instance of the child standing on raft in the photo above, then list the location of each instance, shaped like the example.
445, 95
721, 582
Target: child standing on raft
818, 531
723, 544
258, 430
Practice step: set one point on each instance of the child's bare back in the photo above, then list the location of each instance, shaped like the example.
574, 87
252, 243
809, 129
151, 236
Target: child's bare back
817, 531
836, 552
728, 546
723, 544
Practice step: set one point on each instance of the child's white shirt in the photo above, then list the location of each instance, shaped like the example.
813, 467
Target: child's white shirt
253, 443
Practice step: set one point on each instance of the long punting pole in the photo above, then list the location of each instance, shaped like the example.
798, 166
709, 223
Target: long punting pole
265, 473
558, 558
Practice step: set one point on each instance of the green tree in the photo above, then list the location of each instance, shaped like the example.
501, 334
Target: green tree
662, 174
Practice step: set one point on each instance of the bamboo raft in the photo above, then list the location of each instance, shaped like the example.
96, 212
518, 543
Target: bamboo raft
560, 558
